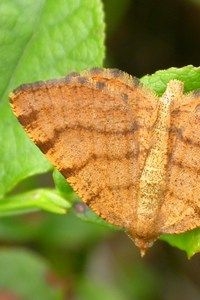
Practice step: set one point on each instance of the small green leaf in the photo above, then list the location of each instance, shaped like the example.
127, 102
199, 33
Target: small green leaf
63, 186
188, 241
40, 40
158, 81
45, 199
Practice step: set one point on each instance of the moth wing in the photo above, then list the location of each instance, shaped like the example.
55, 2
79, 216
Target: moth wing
181, 209
95, 129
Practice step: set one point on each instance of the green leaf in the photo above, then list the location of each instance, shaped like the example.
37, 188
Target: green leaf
46, 199
158, 81
63, 186
40, 40
189, 241
25, 276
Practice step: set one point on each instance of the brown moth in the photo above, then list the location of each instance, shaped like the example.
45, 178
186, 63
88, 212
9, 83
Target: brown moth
132, 157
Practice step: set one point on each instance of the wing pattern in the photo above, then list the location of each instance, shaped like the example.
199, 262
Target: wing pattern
95, 127
181, 209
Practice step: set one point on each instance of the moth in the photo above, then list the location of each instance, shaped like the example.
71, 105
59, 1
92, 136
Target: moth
132, 157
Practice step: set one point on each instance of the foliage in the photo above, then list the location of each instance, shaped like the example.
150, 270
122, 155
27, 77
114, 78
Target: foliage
41, 40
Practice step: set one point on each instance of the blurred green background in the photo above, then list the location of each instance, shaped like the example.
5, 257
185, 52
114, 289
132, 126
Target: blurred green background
48, 256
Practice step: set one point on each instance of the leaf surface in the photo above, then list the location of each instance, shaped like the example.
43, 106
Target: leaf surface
40, 40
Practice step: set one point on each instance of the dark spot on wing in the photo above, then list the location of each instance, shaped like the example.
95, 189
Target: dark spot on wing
82, 79
69, 77
124, 96
100, 85
96, 70
196, 93
175, 112
29, 86
135, 80
116, 72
